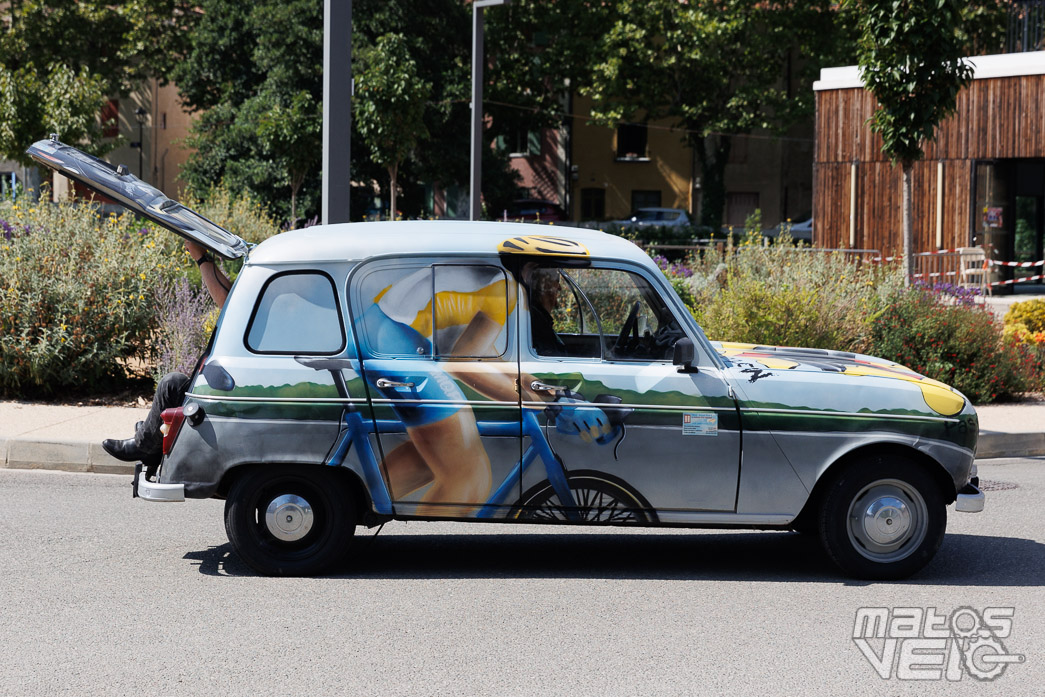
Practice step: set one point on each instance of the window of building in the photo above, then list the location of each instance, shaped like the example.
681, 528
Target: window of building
593, 204
110, 117
297, 313
644, 199
521, 142
739, 206
631, 141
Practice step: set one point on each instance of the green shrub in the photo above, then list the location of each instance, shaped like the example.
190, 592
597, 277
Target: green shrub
75, 296
958, 344
788, 296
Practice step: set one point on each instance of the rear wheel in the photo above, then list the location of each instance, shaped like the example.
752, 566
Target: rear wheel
883, 517
290, 520
600, 498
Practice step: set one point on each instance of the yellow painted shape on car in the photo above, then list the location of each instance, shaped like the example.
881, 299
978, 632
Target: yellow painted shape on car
940, 398
543, 245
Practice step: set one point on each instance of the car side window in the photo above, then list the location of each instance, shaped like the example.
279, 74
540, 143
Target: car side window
470, 312
436, 311
298, 313
605, 312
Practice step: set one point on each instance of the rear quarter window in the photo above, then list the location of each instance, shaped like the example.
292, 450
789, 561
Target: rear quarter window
297, 313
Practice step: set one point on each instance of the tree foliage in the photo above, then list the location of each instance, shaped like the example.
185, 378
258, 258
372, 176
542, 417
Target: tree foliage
911, 60
910, 54
389, 104
255, 72
60, 60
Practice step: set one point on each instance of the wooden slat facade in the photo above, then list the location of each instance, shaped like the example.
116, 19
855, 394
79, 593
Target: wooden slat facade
1000, 117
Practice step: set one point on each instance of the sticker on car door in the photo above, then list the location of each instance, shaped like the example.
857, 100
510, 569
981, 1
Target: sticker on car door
699, 424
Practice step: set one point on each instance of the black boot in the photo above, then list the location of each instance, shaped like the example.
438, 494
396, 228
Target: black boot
129, 451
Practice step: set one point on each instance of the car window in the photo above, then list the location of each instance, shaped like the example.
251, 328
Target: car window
599, 312
442, 311
470, 313
397, 310
297, 313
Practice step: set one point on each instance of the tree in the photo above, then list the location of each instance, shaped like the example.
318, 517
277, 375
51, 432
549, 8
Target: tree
255, 73
910, 56
389, 104
60, 60
714, 68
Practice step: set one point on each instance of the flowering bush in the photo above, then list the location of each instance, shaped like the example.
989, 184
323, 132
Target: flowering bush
182, 312
958, 344
1025, 325
75, 296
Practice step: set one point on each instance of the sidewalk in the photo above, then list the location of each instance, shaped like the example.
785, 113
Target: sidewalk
42, 436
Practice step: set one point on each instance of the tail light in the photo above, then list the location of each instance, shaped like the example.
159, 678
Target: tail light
172, 421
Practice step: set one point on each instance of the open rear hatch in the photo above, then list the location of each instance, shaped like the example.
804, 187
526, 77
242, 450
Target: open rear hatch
145, 200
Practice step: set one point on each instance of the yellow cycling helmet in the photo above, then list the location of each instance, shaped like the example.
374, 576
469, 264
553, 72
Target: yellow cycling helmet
544, 245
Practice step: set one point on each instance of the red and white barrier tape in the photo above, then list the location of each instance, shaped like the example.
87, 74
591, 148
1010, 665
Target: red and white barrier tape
935, 274
1016, 280
1017, 264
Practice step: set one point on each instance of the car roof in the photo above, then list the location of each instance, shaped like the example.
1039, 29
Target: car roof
358, 241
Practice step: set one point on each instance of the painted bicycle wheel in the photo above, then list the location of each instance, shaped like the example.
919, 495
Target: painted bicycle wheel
599, 497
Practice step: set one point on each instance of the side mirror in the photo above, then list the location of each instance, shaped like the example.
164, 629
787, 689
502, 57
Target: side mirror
684, 355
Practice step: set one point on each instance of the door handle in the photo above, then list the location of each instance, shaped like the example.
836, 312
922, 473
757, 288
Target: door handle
538, 386
383, 383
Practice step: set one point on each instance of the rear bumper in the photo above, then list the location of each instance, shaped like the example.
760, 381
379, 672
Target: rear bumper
970, 499
154, 491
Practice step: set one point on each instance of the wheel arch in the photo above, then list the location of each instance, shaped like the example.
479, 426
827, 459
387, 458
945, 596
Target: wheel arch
361, 498
927, 463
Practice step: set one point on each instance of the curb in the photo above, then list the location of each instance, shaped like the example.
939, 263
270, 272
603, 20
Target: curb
992, 444
62, 455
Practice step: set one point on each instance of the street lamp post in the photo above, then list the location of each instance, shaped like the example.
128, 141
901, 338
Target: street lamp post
139, 116
337, 110
475, 187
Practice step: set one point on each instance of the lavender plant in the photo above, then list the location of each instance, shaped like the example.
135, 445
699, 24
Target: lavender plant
182, 310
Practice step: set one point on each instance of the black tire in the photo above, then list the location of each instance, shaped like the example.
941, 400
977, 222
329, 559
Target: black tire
601, 498
864, 502
271, 530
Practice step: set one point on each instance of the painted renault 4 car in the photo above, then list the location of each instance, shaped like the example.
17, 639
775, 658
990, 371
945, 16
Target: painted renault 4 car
489, 371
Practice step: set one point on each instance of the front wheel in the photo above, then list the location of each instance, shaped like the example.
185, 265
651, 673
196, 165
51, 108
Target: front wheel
290, 520
882, 518
600, 498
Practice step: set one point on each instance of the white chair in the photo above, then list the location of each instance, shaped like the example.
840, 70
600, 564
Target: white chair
973, 269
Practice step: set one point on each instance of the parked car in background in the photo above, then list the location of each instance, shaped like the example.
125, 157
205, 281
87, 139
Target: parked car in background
536, 210
662, 217
801, 231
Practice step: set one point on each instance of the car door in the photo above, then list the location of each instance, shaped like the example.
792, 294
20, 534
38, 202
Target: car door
129, 191
678, 448
437, 348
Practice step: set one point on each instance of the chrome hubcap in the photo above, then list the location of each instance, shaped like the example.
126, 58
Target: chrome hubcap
288, 517
887, 520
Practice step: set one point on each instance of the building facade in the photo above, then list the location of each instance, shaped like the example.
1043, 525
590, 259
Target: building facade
981, 181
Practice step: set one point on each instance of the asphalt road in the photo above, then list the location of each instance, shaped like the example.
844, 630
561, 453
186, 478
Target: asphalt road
103, 595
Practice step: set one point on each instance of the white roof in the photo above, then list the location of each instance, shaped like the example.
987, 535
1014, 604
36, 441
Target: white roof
357, 241
984, 67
